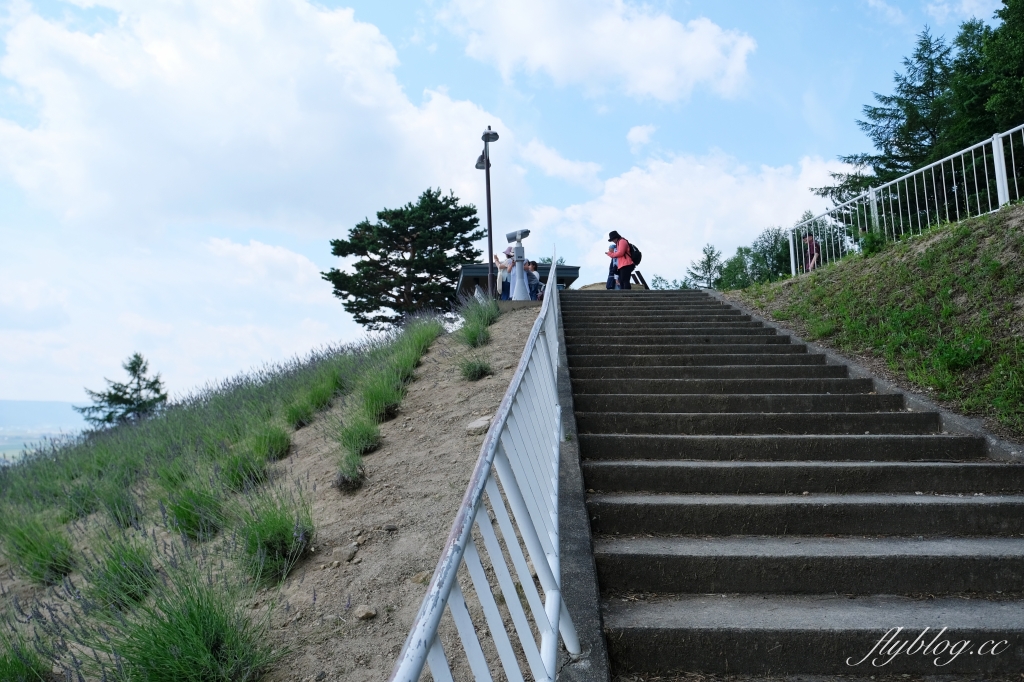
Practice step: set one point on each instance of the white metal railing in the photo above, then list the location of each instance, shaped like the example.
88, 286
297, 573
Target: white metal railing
971, 182
521, 452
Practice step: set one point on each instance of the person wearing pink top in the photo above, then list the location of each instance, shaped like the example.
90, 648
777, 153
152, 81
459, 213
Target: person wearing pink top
620, 250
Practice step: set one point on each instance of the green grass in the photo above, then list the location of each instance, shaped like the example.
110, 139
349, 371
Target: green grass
19, 661
122, 573
243, 469
474, 369
359, 434
43, 554
272, 442
477, 316
194, 629
941, 309
120, 504
300, 413
276, 530
196, 511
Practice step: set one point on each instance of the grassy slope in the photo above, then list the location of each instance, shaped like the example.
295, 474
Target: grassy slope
203, 458
945, 310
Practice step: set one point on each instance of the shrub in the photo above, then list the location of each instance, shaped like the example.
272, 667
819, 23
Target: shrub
272, 442
475, 334
171, 475
359, 434
43, 554
381, 392
243, 469
474, 369
276, 532
195, 629
299, 413
19, 662
120, 504
872, 243
122, 574
80, 501
477, 316
350, 472
196, 512
321, 393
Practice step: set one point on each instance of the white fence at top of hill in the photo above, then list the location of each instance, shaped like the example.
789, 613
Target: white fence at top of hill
969, 183
517, 467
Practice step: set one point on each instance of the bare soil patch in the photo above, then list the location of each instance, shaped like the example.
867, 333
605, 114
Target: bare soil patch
398, 520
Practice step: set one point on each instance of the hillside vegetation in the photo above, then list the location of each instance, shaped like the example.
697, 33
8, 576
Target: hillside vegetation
137, 550
945, 310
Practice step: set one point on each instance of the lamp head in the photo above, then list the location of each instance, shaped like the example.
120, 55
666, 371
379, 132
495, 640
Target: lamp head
489, 135
517, 236
481, 162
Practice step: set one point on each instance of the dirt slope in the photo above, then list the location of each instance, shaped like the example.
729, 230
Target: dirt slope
414, 483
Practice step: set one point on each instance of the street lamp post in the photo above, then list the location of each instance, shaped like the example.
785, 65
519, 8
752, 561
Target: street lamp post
484, 163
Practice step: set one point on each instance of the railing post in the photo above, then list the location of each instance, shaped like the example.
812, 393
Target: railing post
792, 255
1002, 185
874, 209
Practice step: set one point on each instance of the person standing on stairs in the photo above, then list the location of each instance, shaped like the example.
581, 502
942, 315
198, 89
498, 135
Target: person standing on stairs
620, 250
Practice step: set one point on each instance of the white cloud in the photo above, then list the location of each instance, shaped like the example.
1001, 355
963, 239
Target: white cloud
161, 141
603, 44
197, 308
638, 136
553, 164
888, 12
945, 12
273, 111
670, 208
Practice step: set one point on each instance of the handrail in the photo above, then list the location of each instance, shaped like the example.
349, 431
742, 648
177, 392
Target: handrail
947, 190
522, 446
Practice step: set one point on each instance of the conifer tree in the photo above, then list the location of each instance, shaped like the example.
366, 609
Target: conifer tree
140, 397
407, 261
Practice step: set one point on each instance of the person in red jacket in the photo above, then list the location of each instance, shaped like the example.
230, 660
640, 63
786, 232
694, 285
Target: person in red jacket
620, 249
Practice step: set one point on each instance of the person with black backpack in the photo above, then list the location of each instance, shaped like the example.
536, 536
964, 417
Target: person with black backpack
628, 257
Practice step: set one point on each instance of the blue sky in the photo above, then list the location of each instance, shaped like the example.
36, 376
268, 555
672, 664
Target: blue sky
171, 173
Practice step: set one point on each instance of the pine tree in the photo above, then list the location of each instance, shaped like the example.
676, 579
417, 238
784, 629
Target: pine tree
708, 268
905, 126
408, 260
1004, 64
122, 403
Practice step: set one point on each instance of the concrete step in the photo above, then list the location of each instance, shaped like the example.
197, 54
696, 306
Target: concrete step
705, 360
669, 333
779, 448
810, 565
609, 346
642, 341
651, 326
646, 310
703, 317
569, 295
816, 514
746, 402
736, 423
714, 372
823, 635
678, 386
759, 477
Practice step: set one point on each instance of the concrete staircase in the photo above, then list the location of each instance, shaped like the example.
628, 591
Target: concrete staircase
755, 510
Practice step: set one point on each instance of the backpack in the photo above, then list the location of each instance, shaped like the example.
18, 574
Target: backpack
634, 253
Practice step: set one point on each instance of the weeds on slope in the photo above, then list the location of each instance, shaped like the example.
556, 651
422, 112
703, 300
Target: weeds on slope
477, 316
377, 395
943, 310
